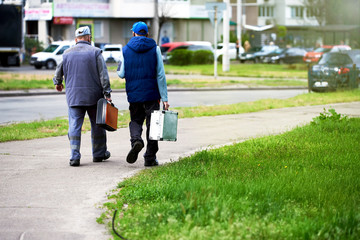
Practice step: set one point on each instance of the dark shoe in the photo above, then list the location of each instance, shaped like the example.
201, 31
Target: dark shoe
100, 159
151, 163
133, 154
75, 163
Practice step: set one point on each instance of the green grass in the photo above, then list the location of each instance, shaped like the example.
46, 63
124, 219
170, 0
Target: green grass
241, 70
244, 70
57, 127
303, 184
47, 128
11, 84
198, 83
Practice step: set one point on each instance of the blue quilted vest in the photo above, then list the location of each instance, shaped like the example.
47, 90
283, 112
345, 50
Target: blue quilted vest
83, 86
140, 70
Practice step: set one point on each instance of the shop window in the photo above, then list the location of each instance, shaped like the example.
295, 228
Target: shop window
98, 29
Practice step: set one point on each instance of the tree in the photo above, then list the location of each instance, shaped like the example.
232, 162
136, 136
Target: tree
318, 9
161, 16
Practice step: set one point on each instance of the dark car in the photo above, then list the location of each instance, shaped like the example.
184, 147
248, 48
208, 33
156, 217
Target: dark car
249, 55
335, 70
287, 55
273, 56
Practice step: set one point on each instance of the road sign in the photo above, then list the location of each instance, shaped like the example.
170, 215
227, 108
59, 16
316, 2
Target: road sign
211, 7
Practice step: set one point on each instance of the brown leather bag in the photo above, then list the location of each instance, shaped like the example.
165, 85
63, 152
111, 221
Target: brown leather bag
106, 115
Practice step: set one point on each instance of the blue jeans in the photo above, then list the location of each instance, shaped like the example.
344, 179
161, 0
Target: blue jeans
98, 134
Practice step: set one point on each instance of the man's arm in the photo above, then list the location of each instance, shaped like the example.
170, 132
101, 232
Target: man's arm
58, 78
161, 79
104, 77
121, 67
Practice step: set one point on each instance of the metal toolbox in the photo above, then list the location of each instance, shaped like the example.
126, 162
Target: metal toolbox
163, 125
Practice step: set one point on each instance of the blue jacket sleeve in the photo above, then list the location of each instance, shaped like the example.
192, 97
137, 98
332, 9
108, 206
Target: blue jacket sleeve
161, 79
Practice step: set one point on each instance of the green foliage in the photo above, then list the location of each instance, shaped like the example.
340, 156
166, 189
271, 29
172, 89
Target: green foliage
32, 46
281, 30
299, 185
329, 116
203, 57
180, 57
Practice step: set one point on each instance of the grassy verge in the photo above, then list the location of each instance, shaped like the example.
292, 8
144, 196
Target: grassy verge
299, 185
241, 70
283, 75
244, 70
58, 127
201, 83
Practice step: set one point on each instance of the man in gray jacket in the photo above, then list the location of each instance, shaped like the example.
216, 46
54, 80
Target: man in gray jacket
87, 81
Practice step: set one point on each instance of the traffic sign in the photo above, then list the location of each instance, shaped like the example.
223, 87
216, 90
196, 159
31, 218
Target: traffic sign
211, 7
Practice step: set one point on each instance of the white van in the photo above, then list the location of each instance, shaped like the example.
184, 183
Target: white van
51, 56
112, 52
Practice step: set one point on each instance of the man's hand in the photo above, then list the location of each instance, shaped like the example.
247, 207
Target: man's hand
59, 87
108, 99
166, 105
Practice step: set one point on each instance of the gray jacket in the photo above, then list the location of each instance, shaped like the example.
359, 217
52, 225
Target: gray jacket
85, 73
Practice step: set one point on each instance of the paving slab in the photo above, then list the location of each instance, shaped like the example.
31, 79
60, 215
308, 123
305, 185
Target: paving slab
42, 197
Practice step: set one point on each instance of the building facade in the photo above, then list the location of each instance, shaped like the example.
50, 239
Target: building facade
180, 20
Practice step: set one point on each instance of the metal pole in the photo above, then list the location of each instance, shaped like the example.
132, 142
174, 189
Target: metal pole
226, 36
215, 41
238, 25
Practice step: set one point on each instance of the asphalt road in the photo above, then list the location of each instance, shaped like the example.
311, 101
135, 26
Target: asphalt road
43, 107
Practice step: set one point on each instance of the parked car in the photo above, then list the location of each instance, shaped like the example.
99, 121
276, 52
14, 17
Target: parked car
169, 47
190, 45
286, 55
314, 56
258, 56
112, 52
232, 50
249, 55
51, 56
333, 71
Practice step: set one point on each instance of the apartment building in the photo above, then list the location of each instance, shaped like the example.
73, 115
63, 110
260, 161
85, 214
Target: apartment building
180, 20
111, 20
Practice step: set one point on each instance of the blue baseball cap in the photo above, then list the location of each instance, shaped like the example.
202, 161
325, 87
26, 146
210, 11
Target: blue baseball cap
137, 27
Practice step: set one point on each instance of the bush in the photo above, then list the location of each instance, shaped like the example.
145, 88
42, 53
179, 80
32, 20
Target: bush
203, 57
180, 57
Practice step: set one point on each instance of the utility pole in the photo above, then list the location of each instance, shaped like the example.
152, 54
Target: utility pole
238, 26
215, 12
155, 23
215, 41
226, 36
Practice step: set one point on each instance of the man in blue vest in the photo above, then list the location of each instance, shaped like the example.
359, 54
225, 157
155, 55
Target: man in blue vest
87, 81
143, 69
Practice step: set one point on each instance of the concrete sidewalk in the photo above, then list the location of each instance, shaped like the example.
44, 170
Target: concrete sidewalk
43, 198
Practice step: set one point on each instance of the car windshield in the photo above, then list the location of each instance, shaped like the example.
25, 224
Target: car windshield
355, 55
322, 50
199, 47
111, 49
278, 51
335, 59
51, 48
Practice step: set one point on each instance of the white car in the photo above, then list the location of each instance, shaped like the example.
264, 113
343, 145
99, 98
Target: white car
232, 50
51, 56
112, 52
